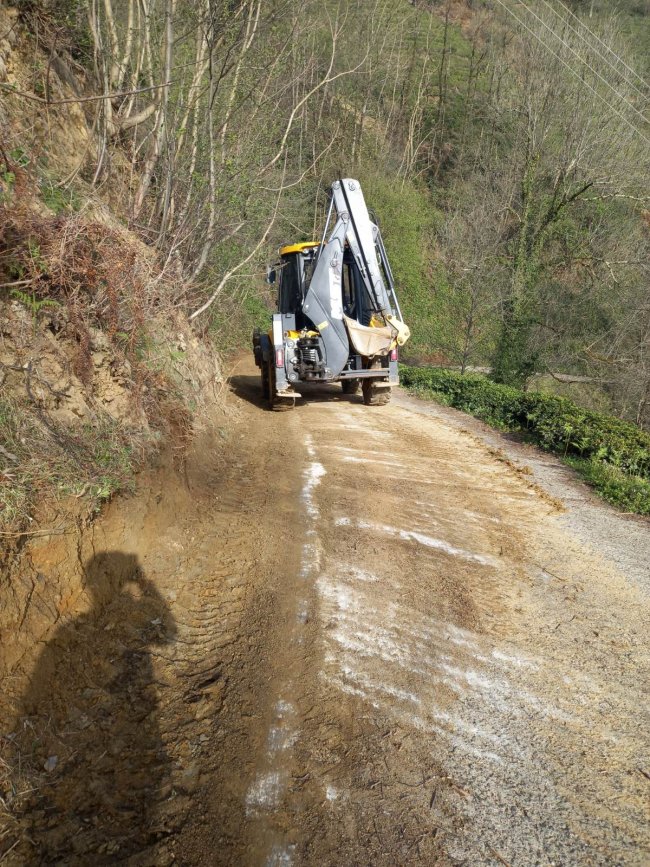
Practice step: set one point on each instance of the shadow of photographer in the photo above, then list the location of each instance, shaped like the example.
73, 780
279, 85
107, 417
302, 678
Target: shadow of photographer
90, 723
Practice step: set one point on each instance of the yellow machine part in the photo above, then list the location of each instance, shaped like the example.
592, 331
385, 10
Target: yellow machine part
298, 248
401, 331
294, 335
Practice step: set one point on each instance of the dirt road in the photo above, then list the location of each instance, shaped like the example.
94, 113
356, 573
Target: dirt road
393, 643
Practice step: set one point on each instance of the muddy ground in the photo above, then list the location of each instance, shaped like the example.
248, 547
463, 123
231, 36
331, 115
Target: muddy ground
340, 634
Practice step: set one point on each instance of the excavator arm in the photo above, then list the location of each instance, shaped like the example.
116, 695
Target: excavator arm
323, 303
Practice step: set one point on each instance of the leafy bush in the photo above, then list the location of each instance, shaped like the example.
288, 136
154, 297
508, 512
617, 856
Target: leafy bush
613, 455
631, 493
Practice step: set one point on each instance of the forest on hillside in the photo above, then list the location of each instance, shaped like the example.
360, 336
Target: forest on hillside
504, 147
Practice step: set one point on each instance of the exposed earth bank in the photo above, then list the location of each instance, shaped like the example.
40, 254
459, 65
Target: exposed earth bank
333, 635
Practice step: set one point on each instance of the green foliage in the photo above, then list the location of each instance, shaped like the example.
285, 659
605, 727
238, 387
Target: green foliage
617, 453
32, 303
58, 199
109, 460
499, 405
630, 493
7, 183
239, 311
514, 360
19, 157
408, 220
256, 310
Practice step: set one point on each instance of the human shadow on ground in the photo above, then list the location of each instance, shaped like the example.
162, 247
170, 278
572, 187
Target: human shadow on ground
90, 723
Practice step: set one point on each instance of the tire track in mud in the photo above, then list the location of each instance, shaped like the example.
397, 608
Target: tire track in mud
233, 624
217, 553
268, 792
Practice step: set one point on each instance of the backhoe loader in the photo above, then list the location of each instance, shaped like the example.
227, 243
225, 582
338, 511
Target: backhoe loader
338, 318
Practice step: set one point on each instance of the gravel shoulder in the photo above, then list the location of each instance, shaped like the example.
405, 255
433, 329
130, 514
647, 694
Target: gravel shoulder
622, 538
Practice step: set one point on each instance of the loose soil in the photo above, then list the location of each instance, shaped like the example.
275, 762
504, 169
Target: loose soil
338, 634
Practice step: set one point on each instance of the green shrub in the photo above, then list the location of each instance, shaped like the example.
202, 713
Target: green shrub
631, 493
613, 455
57, 199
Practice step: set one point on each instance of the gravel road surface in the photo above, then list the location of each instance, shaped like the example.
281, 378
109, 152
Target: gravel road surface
400, 638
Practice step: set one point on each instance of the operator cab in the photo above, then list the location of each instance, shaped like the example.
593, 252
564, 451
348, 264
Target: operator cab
296, 268
297, 263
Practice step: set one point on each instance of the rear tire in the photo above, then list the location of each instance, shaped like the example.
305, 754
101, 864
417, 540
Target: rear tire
373, 395
274, 402
350, 386
265, 381
270, 391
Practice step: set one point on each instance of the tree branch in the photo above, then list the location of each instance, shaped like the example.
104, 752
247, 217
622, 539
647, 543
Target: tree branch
12, 90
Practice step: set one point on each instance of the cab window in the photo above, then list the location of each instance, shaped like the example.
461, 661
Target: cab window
290, 296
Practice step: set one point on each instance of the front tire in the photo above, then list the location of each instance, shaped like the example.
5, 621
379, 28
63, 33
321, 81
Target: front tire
350, 386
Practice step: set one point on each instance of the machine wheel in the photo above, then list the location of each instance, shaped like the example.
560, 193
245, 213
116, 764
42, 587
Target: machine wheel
350, 386
274, 401
265, 381
374, 395
270, 390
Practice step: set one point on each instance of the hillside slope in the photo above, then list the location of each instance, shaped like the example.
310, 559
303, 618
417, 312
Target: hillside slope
98, 365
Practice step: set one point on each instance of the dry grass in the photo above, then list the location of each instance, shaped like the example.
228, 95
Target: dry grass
80, 280
14, 788
43, 459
